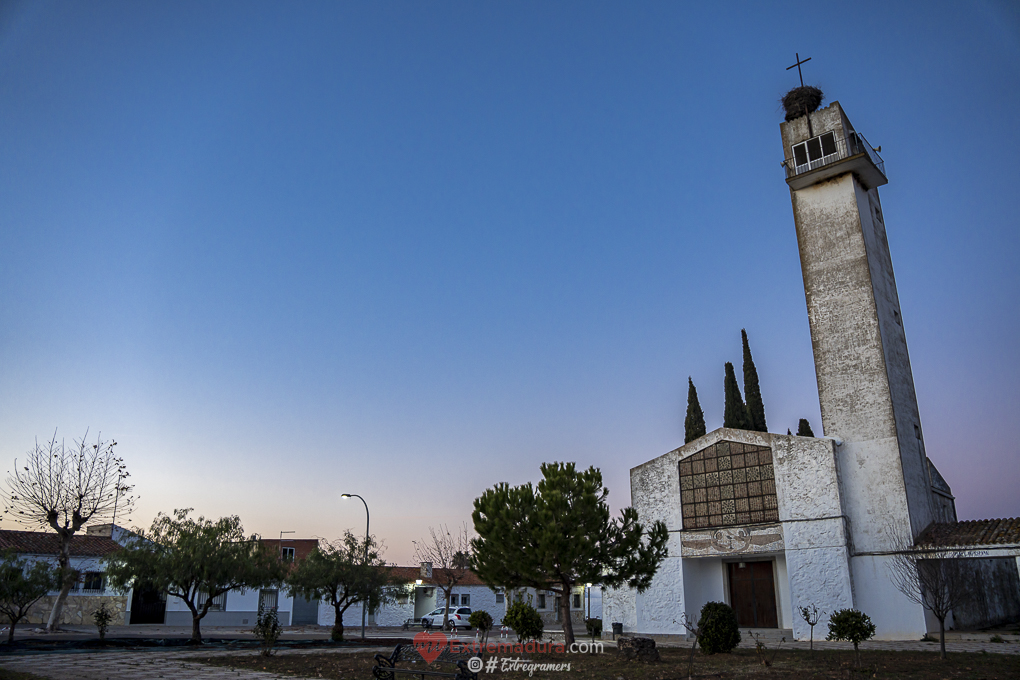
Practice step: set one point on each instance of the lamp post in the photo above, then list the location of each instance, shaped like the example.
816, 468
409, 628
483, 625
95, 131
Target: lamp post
364, 605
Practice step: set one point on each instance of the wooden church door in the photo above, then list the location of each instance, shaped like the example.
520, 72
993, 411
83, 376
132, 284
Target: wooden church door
753, 594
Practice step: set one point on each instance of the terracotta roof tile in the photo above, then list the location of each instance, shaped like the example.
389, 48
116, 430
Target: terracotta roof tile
48, 543
974, 532
412, 574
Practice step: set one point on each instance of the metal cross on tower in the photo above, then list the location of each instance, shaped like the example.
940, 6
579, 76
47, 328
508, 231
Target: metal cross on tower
799, 62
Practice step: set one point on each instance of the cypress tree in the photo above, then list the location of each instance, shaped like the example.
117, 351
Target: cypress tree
752, 393
735, 412
694, 423
804, 429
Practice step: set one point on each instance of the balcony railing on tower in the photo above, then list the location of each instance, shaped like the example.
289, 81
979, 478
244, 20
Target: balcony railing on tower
828, 148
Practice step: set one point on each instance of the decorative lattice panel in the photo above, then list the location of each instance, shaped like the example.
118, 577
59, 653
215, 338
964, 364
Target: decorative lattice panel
728, 484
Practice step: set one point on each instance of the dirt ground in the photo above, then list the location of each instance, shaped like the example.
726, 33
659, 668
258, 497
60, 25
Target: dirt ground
673, 666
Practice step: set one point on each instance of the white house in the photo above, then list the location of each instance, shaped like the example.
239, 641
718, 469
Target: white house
89, 593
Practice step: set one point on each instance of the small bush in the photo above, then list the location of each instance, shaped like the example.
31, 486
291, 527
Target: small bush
718, 629
482, 620
853, 626
267, 629
594, 627
102, 617
524, 620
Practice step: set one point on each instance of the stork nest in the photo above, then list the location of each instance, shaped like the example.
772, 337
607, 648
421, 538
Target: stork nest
801, 101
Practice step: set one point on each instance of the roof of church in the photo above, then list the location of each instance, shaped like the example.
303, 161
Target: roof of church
974, 532
48, 543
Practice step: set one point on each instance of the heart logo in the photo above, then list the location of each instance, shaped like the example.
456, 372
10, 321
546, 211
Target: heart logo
430, 645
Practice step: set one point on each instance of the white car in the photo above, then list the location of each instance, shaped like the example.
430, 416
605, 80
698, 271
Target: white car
458, 618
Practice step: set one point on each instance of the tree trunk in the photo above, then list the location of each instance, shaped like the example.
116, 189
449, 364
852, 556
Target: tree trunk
10, 633
196, 630
568, 625
337, 634
942, 637
68, 578
446, 609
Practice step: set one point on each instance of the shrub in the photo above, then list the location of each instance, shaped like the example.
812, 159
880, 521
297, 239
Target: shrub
482, 620
102, 617
594, 627
853, 626
524, 620
718, 628
267, 629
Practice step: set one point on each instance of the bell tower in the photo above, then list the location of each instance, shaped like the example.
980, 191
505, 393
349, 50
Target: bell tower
865, 385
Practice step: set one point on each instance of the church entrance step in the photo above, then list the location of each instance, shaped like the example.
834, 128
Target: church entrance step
770, 636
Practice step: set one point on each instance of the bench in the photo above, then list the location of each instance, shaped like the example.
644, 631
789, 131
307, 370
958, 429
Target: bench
416, 623
386, 666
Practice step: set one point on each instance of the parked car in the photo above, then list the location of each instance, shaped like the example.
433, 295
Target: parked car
458, 618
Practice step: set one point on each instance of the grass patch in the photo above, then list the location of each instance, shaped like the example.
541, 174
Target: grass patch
742, 664
18, 675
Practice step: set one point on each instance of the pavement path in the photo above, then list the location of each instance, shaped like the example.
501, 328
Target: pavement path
157, 664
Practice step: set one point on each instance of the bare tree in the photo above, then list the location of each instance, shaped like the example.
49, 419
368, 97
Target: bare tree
64, 488
929, 573
449, 555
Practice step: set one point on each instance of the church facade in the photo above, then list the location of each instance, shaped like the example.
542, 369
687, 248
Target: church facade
770, 523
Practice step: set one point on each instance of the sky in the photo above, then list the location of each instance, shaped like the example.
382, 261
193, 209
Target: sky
285, 251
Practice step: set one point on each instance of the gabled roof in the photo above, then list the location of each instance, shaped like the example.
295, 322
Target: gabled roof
412, 574
48, 543
973, 532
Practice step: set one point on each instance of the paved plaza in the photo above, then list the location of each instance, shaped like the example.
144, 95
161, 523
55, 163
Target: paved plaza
151, 664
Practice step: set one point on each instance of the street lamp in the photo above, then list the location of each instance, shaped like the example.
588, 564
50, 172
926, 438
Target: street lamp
364, 605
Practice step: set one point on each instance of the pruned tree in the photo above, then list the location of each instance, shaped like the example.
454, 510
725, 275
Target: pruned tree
928, 573
22, 584
196, 560
752, 392
694, 423
734, 411
449, 555
342, 573
560, 533
64, 488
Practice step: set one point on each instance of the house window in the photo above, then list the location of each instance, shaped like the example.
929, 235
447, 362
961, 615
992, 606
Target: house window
577, 601
500, 598
219, 603
541, 600
288, 554
465, 600
89, 582
728, 484
269, 599
453, 600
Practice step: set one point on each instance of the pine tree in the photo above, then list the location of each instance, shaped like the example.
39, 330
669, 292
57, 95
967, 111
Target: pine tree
752, 393
735, 412
694, 423
804, 429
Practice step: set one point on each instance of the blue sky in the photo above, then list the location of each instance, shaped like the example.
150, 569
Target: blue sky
409, 250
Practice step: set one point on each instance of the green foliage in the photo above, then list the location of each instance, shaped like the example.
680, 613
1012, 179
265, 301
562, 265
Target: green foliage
482, 620
267, 629
22, 584
524, 620
343, 572
594, 627
804, 428
191, 558
734, 412
694, 423
752, 392
851, 625
102, 618
717, 628
561, 533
